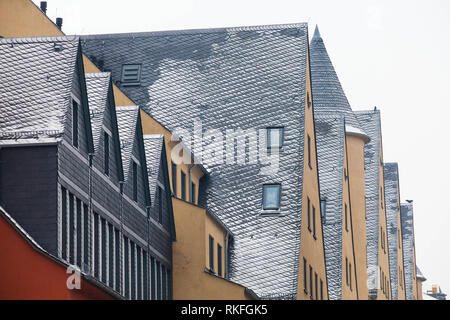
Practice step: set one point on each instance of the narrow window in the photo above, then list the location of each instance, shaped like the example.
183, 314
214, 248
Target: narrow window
164, 282
139, 273
133, 269
96, 246
323, 206
314, 221
79, 229
64, 223
315, 286
135, 182
305, 277
169, 284
308, 202
158, 281
183, 185
346, 270
274, 138
131, 74
271, 196
174, 179
71, 228
111, 255
106, 151
103, 260
211, 253
219, 260
309, 152
74, 123
152, 278
85, 236
310, 282
350, 275
127, 267
381, 196
145, 275
321, 289
346, 218
308, 99
193, 193
160, 204
117, 261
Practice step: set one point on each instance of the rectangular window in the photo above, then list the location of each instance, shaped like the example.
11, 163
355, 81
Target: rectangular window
133, 269
350, 275
219, 260
106, 151
117, 261
346, 219
193, 193
126, 267
164, 282
314, 221
174, 179
96, 246
183, 185
74, 123
103, 260
271, 196
79, 229
111, 255
85, 236
309, 152
160, 204
305, 277
169, 284
152, 278
274, 138
131, 74
139, 273
135, 182
158, 280
346, 270
323, 206
211, 253
308, 203
315, 286
321, 289
145, 275
310, 282
71, 228
64, 223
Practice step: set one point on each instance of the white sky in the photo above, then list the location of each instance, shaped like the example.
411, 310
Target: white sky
391, 54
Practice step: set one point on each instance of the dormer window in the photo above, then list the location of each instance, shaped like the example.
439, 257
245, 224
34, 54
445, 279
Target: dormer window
131, 74
274, 138
271, 196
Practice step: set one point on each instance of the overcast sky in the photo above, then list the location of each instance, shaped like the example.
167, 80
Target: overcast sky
391, 54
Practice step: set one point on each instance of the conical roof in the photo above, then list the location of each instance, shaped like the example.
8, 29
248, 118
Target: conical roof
327, 90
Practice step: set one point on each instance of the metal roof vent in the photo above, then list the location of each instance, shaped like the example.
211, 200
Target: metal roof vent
44, 6
57, 47
131, 74
59, 22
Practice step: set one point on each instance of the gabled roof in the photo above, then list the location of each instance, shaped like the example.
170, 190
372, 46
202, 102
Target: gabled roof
153, 144
230, 78
419, 274
327, 91
371, 123
391, 193
330, 139
127, 118
36, 77
407, 217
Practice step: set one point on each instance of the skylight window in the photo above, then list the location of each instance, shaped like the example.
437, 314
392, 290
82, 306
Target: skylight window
271, 196
131, 74
274, 138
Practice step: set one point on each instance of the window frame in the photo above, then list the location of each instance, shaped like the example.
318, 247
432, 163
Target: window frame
265, 186
211, 253
174, 178
268, 138
183, 185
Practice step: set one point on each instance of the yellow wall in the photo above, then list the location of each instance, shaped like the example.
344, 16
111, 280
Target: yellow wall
190, 257
419, 290
349, 288
355, 154
312, 249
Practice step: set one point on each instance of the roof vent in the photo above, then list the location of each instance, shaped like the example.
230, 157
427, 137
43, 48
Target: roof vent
131, 74
44, 6
57, 47
59, 22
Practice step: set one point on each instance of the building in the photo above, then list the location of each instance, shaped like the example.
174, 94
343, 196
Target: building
409, 254
394, 230
435, 294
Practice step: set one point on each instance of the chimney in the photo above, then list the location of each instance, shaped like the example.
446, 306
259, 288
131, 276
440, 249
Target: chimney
44, 6
59, 23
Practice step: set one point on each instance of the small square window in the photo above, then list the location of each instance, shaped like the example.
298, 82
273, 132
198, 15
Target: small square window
274, 138
131, 74
271, 196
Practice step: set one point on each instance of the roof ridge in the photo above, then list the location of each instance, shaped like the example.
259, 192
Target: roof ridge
20, 40
196, 31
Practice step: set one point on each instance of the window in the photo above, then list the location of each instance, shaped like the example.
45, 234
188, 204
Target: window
131, 74
158, 280
133, 269
169, 284
304, 277
75, 123
183, 185
193, 196
346, 270
308, 202
152, 278
321, 289
111, 255
174, 179
117, 262
309, 152
164, 282
96, 245
381, 196
139, 273
350, 275
103, 260
308, 99
219, 260
310, 282
323, 206
78, 228
274, 138
271, 196
71, 228
106, 151
135, 181
381, 236
160, 204
315, 285
211, 253
145, 275
85, 235
346, 218
314, 221
127, 267
64, 223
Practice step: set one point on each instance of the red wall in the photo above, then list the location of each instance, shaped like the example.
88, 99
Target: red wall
26, 273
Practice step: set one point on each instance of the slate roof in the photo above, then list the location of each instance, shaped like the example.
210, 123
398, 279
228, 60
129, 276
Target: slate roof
419, 274
327, 91
371, 124
229, 78
153, 145
391, 192
330, 139
97, 85
127, 117
35, 87
407, 217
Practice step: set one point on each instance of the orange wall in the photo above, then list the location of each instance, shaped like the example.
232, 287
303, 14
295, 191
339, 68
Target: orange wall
26, 273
